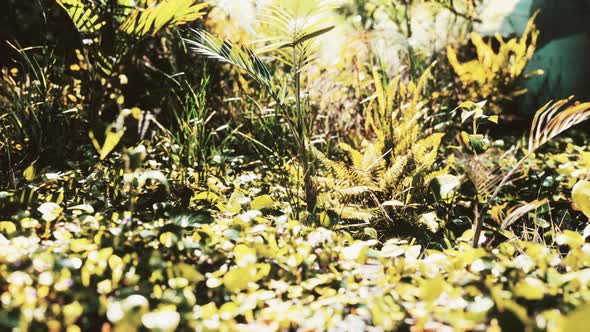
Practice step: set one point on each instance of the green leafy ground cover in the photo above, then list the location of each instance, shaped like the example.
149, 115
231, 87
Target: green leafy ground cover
237, 261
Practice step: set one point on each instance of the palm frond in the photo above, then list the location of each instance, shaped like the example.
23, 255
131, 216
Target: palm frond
149, 21
520, 211
291, 26
552, 120
83, 14
245, 58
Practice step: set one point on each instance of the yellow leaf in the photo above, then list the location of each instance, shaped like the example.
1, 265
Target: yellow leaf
168, 239
72, 312
29, 173
7, 227
262, 202
581, 197
244, 255
570, 238
577, 320
431, 289
325, 219
530, 289
238, 279
112, 138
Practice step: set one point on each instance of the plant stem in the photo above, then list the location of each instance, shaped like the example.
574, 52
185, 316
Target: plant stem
304, 155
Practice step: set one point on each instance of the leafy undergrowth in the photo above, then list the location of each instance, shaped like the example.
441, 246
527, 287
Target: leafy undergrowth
307, 165
234, 260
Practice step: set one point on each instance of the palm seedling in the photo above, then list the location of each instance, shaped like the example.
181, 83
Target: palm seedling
294, 24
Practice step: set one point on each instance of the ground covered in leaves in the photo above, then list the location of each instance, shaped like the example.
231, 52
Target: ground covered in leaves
237, 262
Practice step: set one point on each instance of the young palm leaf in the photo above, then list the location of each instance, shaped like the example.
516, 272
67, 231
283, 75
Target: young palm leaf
84, 15
552, 120
156, 17
245, 58
290, 26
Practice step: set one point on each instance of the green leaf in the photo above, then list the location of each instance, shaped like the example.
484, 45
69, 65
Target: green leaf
581, 197
168, 239
578, 320
244, 255
29, 173
465, 115
7, 227
431, 221
308, 36
161, 320
325, 219
570, 238
431, 289
356, 252
371, 232
530, 288
262, 202
112, 139
50, 211
466, 104
236, 280
446, 185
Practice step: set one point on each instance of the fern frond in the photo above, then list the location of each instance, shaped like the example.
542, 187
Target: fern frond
356, 213
421, 85
226, 51
343, 172
380, 92
355, 190
331, 182
552, 120
425, 151
394, 173
355, 155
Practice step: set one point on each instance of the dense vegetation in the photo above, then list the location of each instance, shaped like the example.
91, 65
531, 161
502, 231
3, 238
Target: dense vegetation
284, 165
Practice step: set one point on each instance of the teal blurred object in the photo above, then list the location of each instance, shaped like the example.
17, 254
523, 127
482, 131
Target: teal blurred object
563, 51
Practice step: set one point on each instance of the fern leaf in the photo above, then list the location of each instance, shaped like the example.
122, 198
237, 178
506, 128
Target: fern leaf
394, 173
356, 213
355, 155
425, 151
354, 191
